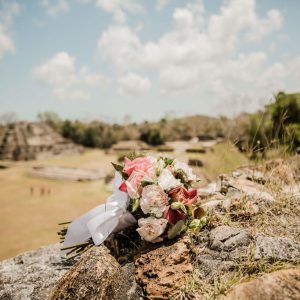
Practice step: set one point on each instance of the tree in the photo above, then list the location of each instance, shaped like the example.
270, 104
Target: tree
51, 118
285, 115
152, 136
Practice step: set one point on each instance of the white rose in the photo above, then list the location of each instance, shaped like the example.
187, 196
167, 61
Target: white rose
154, 200
150, 229
186, 169
167, 181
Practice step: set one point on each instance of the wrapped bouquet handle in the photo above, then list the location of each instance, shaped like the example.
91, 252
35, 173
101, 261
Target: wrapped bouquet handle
102, 220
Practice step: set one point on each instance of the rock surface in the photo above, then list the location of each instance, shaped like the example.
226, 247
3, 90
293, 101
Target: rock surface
97, 275
228, 238
160, 272
276, 248
31, 275
239, 187
280, 285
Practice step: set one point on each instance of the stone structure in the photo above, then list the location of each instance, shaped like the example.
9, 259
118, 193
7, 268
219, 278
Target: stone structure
67, 173
28, 141
127, 146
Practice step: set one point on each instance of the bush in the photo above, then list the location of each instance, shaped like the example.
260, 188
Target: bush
277, 125
152, 136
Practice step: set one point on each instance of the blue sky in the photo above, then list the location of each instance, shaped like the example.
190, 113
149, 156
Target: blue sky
107, 59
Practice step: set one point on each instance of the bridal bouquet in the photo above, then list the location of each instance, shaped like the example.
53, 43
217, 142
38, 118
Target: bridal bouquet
161, 196
154, 194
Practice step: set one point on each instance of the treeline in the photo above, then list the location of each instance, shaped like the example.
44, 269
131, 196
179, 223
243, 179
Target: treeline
98, 134
277, 125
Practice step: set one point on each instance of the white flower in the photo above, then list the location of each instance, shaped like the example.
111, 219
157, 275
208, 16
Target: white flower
186, 169
167, 181
151, 228
154, 200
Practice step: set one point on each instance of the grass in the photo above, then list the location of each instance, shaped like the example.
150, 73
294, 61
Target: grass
29, 221
222, 158
246, 268
280, 218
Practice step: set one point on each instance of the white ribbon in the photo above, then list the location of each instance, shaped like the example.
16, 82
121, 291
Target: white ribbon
102, 220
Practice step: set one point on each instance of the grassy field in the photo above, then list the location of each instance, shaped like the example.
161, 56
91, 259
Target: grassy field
28, 221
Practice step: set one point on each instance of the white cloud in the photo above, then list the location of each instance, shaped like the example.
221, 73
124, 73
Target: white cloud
8, 10
134, 84
160, 4
92, 78
118, 8
202, 54
120, 45
55, 7
60, 74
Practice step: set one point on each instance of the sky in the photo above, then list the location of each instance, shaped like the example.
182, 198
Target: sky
144, 60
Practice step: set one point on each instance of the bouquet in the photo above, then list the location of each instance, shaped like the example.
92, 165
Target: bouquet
161, 196
154, 194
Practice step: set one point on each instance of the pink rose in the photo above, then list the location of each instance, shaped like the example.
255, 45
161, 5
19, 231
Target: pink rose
154, 200
144, 164
134, 184
151, 229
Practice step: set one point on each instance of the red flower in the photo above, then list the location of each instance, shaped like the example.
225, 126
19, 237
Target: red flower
123, 187
173, 216
181, 194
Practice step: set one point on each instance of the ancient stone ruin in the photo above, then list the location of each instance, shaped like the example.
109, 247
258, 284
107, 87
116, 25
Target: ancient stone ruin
29, 141
66, 173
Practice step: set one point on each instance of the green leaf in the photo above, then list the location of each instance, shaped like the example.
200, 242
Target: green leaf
190, 211
168, 161
176, 229
197, 224
146, 182
178, 205
118, 168
135, 204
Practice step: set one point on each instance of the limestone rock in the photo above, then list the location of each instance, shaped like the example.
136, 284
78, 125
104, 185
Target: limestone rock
208, 190
280, 285
250, 173
209, 267
97, 275
278, 248
217, 205
228, 238
161, 271
31, 275
236, 188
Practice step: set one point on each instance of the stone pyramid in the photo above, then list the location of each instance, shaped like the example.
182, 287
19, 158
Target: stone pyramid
29, 140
